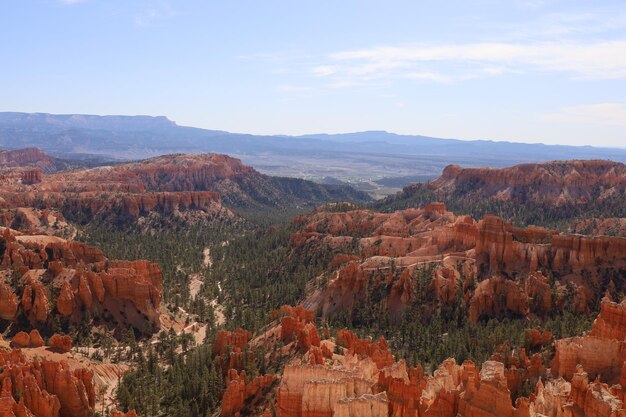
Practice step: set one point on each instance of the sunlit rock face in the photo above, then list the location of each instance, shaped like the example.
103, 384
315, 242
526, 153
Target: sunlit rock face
44, 388
498, 266
84, 279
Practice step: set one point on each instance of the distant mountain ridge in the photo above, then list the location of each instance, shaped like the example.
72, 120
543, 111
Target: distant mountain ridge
87, 121
361, 158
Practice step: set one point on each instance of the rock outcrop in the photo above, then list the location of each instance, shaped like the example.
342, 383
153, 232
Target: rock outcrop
314, 390
296, 325
125, 292
24, 340
377, 351
601, 353
352, 382
44, 388
172, 185
26, 157
555, 183
8, 302
240, 395
492, 264
62, 343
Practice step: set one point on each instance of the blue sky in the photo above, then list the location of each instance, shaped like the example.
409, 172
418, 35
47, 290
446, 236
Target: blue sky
521, 70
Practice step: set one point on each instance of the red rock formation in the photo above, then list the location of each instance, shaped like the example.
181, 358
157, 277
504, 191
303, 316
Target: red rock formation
555, 183
367, 405
32, 176
239, 392
45, 388
354, 383
496, 296
536, 337
61, 343
21, 339
65, 301
505, 259
606, 336
297, 312
226, 340
303, 334
35, 302
487, 396
378, 351
230, 347
25, 157
35, 339
403, 388
611, 322
8, 302
88, 281
169, 184
311, 391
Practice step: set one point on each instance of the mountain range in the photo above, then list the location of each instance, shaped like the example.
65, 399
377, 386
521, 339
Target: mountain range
375, 161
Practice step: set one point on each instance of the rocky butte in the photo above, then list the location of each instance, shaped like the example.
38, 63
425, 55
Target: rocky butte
27, 157
550, 183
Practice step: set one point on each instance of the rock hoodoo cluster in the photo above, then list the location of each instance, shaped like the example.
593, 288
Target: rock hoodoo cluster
75, 278
242, 394
44, 388
501, 265
352, 382
170, 185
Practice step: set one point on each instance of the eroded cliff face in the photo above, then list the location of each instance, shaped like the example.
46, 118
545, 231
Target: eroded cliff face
184, 186
44, 388
75, 278
27, 157
500, 270
239, 393
555, 183
35, 221
602, 352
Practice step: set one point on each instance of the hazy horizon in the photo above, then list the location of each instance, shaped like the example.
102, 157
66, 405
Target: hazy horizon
325, 133
531, 71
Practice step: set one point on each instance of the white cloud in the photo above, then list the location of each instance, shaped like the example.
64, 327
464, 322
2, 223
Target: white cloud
323, 70
443, 63
601, 114
161, 11
428, 76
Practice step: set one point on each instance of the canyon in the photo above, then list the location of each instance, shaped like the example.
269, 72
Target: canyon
414, 262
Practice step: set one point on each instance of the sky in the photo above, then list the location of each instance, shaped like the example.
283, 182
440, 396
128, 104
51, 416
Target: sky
550, 71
